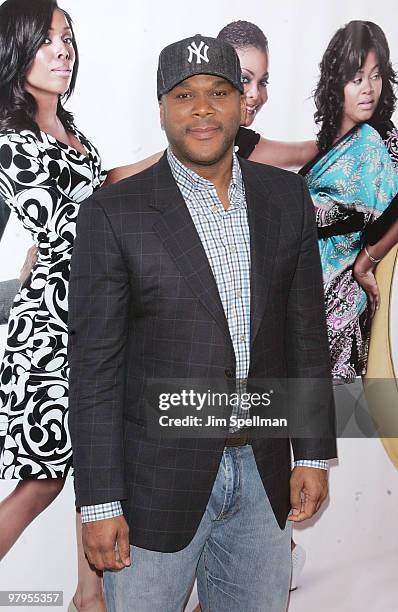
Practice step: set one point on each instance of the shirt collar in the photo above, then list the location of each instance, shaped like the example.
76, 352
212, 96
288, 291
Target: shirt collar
189, 182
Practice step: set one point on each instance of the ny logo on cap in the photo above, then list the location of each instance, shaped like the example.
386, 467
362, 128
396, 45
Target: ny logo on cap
196, 50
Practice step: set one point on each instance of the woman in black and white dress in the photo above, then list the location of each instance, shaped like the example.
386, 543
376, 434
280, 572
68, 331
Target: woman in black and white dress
47, 168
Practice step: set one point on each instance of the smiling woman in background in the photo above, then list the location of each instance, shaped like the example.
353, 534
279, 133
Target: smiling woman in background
47, 168
251, 45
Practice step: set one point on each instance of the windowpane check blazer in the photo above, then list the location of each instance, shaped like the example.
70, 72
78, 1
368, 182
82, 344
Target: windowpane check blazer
144, 305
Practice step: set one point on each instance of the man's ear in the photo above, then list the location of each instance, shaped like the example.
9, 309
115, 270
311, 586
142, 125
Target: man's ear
161, 113
242, 109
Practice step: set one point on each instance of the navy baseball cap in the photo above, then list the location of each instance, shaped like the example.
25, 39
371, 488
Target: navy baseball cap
197, 55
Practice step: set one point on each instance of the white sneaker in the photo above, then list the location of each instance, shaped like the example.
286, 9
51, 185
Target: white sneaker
298, 560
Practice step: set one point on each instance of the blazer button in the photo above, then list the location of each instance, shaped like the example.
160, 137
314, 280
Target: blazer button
229, 373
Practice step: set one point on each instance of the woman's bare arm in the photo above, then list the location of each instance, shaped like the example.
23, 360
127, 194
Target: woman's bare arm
390, 239
288, 155
117, 174
364, 267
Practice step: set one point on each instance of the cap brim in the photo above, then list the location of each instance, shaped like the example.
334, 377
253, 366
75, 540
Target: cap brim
190, 74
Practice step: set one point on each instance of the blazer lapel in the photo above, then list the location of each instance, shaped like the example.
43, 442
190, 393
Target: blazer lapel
180, 238
264, 225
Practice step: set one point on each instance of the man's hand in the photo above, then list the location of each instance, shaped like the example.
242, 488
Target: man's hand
308, 489
99, 540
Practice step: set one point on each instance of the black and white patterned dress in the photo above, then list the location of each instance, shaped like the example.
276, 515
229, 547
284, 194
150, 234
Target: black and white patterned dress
43, 181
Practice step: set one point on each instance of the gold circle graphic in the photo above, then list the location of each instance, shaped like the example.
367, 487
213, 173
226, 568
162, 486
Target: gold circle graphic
380, 360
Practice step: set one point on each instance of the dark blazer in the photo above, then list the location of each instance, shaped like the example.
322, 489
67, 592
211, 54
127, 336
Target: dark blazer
143, 303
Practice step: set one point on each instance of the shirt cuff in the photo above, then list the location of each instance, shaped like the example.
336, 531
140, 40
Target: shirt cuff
321, 464
99, 512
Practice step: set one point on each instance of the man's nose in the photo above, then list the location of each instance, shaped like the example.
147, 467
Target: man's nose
203, 105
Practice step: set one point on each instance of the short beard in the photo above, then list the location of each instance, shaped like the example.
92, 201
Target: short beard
184, 154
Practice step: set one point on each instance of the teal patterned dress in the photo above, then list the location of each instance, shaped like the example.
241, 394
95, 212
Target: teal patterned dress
355, 179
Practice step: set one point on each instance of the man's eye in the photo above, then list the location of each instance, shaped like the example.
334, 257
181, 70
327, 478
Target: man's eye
183, 96
220, 92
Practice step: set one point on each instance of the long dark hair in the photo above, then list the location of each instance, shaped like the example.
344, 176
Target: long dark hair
243, 34
345, 55
24, 24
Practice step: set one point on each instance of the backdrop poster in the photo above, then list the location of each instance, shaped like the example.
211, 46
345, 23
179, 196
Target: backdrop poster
352, 552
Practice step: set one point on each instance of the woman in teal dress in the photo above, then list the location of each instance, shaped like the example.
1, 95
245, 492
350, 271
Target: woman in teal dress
352, 180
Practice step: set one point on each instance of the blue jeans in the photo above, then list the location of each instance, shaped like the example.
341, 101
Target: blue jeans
240, 556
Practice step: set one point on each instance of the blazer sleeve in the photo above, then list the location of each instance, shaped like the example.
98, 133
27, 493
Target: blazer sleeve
98, 330
307, 350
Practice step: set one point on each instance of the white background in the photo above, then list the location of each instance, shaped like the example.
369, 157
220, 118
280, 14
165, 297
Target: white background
352, 551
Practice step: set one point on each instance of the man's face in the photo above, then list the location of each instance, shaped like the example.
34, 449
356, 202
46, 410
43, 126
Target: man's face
201, 117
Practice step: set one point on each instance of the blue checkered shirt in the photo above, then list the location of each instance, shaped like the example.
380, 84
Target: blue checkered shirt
226, 241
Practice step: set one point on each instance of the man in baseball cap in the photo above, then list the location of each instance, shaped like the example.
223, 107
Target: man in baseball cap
201, 105
185, 271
